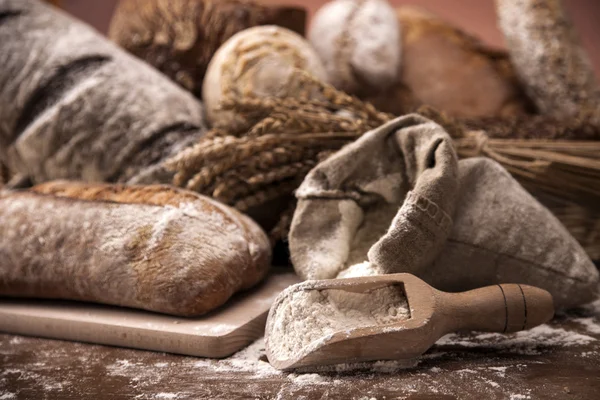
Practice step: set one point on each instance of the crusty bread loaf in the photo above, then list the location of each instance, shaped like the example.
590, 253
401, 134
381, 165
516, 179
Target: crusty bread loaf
359, 44
257, 62
446, 68
179, 37
73, 105
152, 247
549, 57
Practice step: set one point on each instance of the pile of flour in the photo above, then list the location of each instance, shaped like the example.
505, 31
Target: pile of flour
306, 318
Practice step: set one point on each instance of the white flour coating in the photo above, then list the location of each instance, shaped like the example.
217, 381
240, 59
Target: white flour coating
361, 269
307, 318
375, 224
221, 328
548, 56
166, 396
524, 342
167, 217
377, 45
250, 364
590, 324
357, 37
327, 257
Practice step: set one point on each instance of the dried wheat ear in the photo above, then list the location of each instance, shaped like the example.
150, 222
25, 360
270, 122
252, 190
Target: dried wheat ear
258, 168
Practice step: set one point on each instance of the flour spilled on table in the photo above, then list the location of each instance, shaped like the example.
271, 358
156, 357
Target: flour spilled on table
530, 342
502, 358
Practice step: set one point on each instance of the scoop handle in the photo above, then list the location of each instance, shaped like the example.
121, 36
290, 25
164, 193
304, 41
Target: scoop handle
506, 307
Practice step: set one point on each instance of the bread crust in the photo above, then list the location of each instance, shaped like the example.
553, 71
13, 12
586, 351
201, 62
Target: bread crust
156, 247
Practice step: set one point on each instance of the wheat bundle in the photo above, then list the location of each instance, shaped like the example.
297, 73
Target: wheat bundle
286, 137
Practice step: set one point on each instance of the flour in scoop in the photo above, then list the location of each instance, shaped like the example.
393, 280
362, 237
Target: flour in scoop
306, 318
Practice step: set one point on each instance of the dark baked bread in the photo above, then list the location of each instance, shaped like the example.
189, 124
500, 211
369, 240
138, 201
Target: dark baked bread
445, 68
152, 247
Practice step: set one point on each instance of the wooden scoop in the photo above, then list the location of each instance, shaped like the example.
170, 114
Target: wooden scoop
500, 308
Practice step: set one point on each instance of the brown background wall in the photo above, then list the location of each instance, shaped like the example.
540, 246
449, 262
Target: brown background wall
475, 16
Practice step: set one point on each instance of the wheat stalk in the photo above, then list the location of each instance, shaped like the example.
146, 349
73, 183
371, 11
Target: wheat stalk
284, 138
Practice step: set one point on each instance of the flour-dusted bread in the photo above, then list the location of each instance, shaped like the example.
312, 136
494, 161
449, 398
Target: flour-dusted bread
257, 62
549, 57
156, 248
359, 44
73, 105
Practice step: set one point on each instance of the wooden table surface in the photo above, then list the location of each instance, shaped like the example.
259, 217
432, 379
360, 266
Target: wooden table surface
560, 360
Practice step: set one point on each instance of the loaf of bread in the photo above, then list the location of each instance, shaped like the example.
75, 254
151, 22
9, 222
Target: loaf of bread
257, 62
156, 248
447, 69
359, 44
73, 105
549, 57
179, 37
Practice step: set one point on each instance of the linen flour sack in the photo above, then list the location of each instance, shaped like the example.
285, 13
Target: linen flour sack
399, 198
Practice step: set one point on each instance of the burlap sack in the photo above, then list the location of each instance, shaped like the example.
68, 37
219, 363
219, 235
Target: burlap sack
400, 198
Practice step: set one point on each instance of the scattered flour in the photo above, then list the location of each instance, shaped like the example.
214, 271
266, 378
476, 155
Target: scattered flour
6, 396
592, 308
501, 371
378, 367
166, 396
491, 382
307, 318
251, 359
525, 342
308, 379
221, 328
590, 324
16, 340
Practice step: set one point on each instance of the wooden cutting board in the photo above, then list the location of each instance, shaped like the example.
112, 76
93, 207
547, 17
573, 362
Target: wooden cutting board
218, 334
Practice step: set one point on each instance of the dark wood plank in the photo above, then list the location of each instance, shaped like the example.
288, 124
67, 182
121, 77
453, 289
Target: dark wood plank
560, 360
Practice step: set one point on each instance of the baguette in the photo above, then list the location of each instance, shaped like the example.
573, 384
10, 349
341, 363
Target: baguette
156, 248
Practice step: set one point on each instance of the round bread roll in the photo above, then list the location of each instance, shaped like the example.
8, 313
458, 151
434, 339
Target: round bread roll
156, 248
359, 44
260, 62
179, 37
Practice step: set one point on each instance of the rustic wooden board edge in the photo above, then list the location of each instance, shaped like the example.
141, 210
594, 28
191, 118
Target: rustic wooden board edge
26, 317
